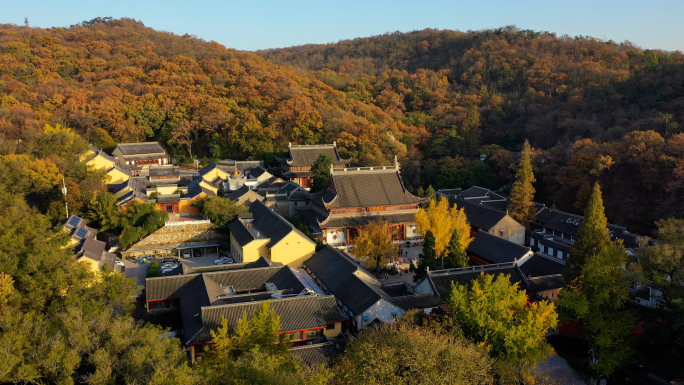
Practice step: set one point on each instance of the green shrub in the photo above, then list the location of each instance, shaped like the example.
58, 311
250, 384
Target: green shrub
153, 270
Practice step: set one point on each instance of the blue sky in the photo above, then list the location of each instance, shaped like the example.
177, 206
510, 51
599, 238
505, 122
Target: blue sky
254, 24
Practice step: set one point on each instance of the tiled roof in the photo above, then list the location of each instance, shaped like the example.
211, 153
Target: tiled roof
168, 198
164, 171
239, 280
330, 266
568, 223
240, 232
549, 282
272, 225
296, 313
366, 188
335, 221
474, 192
318, 354
306, 155
140, 148
257, 172
93, 249
494, 249
201, 291
358, 295
195, 189
442, 279
479, 216
540, 265
420, 301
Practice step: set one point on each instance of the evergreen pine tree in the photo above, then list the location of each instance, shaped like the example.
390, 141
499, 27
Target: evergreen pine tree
456, 256
522, 193
427, 259
430, 192
592, 236
420, 192
471, 131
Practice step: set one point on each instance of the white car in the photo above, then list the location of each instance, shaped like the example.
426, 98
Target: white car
119, 262
186, 254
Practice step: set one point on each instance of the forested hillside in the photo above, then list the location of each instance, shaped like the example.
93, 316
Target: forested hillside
525, 84
594, 110
119, 81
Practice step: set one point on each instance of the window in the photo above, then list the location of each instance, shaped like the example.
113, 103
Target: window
551, 295
501, 233
313, 334
169, 208
512, 232
330, 326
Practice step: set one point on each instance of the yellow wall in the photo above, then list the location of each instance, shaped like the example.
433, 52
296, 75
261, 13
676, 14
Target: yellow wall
333, 333
215, 173
209, 186
164, 189
185, 206
100, 163
253, 250
293, 250
545, 294
116, 176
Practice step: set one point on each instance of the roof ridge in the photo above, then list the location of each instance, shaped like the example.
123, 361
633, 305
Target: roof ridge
281, 299
481, 268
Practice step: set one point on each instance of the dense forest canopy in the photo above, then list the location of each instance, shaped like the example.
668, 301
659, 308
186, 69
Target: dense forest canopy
592, 110
526, 84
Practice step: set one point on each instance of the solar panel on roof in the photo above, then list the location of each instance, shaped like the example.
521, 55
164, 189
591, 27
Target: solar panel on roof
81, 232
73, 221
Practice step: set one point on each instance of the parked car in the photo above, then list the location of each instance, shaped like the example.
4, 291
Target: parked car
170, 260
141, 259
197, 253
119, 262
186, 254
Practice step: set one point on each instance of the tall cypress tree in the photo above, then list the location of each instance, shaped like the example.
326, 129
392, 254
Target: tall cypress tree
592, 236
522, 193
471, 131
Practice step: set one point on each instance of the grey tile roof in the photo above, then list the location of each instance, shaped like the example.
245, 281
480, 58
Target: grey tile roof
479, 216
367, 188
140, 148
240, 232
318, 354
358, 295
442, 279
195, 189
164, 171
201, 291
474, 192
494, 249
101, 153
272, 225
330, 266
240, 280
420, 301
93, 249
306, 155
549, 282
168, 198
257, 172
296, 313
539, 265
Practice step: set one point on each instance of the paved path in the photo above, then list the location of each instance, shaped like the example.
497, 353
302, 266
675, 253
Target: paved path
557, 369
137, 271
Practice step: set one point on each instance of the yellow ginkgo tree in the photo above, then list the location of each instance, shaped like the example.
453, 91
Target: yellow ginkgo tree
447, 224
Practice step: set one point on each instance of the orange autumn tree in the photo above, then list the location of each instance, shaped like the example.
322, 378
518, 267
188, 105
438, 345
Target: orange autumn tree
374, 244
